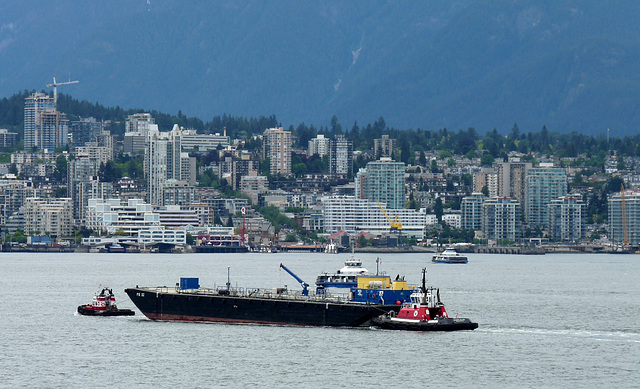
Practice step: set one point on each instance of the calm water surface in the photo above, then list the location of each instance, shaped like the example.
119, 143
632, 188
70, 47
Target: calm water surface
545, 321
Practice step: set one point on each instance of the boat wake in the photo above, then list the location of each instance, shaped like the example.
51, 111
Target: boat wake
605, 336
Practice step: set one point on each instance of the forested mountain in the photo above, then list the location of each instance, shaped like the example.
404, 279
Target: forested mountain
486, 64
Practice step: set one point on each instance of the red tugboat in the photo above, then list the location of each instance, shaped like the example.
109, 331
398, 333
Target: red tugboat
425, 312
104, 304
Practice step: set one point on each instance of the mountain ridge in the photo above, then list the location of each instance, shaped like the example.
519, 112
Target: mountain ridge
457, 64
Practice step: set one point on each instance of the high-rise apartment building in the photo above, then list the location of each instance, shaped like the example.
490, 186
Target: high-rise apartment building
567, 219
471, 211
48, 216
542, 185
617, 226
44, 126
382, 181
163, 161
105, 139
341, 156
139, 122
8, 139
137, 129
85, 130
82, 175
319, 145
501, 219
511, 179
384, 147
276, 145
488, 177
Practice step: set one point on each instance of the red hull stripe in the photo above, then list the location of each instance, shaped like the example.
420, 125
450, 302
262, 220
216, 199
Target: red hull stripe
165, 317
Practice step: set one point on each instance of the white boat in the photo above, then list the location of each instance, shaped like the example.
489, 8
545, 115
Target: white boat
343, 278
449, 255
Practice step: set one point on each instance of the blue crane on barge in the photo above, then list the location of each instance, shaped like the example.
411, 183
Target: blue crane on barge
305, 286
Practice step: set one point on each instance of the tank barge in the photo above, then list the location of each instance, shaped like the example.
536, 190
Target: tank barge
187, 301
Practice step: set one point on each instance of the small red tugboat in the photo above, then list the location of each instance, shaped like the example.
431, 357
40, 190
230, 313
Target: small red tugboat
104, 304
425, 312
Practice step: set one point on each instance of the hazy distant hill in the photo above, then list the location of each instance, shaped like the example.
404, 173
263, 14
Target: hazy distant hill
572, 65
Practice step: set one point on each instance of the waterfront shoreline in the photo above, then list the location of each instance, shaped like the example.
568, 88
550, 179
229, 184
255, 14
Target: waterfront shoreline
509, 250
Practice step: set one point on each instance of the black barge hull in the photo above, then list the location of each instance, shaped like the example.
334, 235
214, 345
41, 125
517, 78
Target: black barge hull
441, 325
181, 306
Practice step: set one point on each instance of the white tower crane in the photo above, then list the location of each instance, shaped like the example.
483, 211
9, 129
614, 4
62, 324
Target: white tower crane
55, 88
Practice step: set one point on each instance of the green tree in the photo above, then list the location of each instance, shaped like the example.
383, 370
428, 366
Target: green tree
108, 172
230, 221
434, 166
471, 155
216, 219
278, 220
422, 159
291, 238
299, 169
487, 159
60, 172
405, 150
438, 209
445, 154
614, 184
362, 241
61, 192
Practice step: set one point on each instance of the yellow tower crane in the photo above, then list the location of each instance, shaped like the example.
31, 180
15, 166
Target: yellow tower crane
395, 225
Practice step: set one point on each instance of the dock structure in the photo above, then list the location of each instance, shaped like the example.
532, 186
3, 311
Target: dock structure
509, 250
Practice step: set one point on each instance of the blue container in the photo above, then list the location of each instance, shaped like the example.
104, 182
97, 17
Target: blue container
189, 283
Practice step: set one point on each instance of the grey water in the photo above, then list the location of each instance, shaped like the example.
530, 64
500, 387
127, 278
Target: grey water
544, 321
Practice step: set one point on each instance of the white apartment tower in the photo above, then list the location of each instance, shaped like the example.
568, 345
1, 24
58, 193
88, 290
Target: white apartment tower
627, 225
276, 145
138, 128
567, 219
48, 216
542, 185
164, 161
44, 126
501, 219
341, 156
319, 145
382, 181
139, 122
471, 211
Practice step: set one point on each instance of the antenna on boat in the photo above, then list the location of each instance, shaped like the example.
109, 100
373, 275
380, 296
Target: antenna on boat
424, 280
228, 278
377, 263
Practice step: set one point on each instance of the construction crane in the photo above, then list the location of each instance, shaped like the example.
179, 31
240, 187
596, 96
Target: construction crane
395, 225
625, 237
55, 86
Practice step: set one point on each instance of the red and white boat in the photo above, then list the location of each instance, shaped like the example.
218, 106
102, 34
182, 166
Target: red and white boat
104, 304
424, 312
